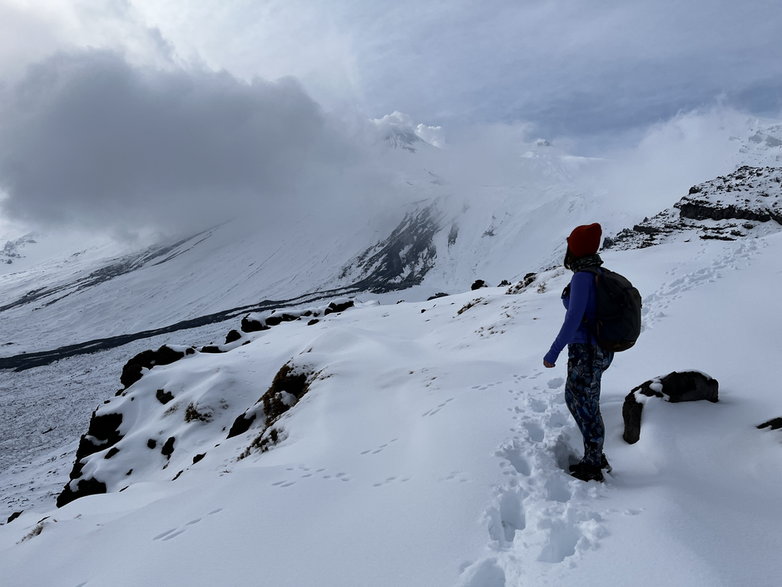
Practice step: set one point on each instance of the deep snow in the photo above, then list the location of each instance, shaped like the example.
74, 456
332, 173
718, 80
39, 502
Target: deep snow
430, 449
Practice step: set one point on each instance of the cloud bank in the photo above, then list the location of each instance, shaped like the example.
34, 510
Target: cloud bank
88, 139
574, 69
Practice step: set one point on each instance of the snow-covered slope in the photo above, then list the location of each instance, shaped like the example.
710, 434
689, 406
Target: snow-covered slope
430, 446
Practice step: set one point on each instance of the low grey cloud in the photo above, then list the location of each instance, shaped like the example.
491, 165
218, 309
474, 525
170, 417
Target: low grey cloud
588, 70
88, 139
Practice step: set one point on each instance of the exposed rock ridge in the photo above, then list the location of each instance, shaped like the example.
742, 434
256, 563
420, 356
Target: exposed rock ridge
400, 261
747, 202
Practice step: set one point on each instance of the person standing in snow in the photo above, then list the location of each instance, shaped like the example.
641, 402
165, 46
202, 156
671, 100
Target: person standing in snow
586, 359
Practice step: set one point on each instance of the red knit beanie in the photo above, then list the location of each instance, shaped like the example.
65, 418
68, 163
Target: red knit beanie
584, 240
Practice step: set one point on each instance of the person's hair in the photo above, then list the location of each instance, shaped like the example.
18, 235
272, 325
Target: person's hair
569, 258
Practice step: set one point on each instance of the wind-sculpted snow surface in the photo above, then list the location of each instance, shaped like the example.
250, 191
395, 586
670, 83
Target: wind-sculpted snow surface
430, 448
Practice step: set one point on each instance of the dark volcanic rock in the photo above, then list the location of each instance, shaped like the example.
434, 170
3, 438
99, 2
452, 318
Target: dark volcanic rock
747, 201
437, 296
290, 384
273, 319
102, 433
400, 261
241, 424
133, 369
233, 336
252, 325
336, 307
773, 424
212, 349
684, 386
164, 396
83, 488
168, 447
478, 284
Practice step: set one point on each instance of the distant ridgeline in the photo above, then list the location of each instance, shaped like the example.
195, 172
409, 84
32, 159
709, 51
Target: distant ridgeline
747, 202
12, 250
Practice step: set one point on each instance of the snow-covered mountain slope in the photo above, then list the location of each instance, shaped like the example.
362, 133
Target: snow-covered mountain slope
443, 224
745, 202
762, 145
429, 449
438, 238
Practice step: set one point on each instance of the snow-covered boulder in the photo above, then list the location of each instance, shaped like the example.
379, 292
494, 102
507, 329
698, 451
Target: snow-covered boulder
165, 355
678, 386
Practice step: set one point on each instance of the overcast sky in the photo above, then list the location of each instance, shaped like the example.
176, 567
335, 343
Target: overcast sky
179, 80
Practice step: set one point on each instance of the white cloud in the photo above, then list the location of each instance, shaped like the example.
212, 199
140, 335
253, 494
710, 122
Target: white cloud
671, 156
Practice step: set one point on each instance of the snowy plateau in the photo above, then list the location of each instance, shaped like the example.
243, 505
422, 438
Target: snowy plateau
406, 439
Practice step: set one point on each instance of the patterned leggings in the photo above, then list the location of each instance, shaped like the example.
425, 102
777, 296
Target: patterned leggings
585, 366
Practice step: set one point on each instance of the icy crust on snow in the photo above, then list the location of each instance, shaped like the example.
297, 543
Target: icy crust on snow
747, 202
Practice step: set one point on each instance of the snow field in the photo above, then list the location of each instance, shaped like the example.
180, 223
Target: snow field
430, 450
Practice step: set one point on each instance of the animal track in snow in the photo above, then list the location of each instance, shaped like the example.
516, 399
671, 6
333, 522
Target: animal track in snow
174, 532
439, 407
308, 473
379, 449
391, 479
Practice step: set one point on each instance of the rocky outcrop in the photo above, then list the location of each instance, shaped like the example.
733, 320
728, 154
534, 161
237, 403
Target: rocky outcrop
678, 386
744, 203
259, 322
102, 433
165, 355
400, 261
161, 418
289, 385
773, 424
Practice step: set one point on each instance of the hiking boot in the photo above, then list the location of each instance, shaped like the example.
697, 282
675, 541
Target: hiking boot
604, 464
586, 472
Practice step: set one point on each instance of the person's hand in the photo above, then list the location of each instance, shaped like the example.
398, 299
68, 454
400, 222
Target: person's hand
547, 365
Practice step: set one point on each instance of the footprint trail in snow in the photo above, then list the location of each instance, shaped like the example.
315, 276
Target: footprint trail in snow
539, 513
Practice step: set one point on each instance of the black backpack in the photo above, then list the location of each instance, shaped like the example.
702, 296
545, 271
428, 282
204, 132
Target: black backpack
617, 322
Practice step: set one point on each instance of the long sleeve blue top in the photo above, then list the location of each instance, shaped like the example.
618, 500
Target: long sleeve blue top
581, 306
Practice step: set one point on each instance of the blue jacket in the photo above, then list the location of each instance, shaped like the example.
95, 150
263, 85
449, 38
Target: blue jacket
581, 306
